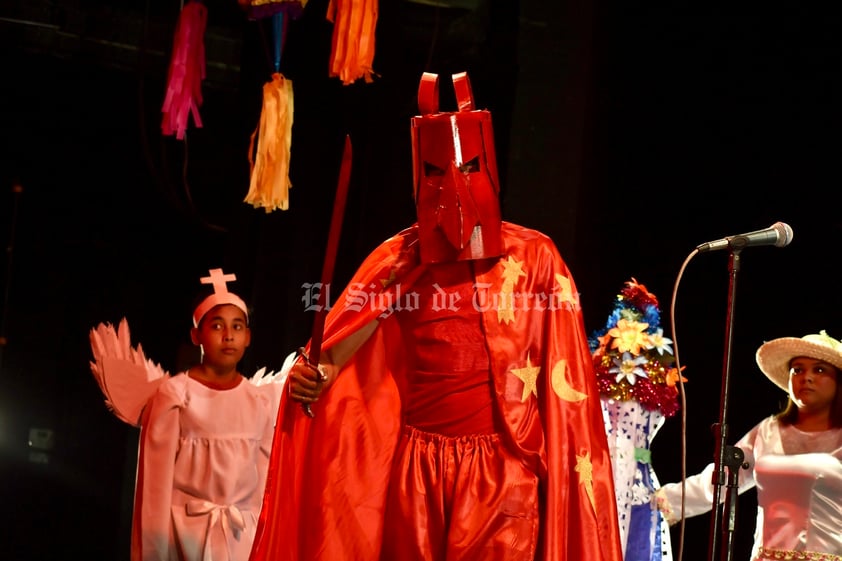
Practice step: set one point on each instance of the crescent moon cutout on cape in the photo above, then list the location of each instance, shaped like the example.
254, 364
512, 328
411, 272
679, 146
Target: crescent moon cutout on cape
560, 385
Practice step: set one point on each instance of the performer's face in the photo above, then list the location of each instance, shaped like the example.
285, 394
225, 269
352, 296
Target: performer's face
812, 383
223, 335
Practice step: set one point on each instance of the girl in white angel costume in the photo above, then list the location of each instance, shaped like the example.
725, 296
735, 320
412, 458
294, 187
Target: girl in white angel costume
794, 458
206, 434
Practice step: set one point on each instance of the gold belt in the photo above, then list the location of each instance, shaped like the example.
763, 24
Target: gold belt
784, 554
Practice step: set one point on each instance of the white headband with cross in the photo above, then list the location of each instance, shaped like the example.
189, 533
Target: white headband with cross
220, 295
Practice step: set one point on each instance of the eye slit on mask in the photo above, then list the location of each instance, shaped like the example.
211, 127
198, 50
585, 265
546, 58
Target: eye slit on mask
431, 170
470, 166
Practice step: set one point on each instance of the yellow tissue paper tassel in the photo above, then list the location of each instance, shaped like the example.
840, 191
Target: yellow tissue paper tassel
269, 166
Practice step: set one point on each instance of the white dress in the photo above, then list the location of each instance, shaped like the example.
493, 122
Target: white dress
630, 428
798, 476
201, 470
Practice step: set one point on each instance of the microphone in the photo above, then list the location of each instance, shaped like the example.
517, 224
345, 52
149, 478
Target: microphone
778, 235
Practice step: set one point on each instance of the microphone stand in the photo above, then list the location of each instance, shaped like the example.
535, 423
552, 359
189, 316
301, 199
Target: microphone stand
729, 456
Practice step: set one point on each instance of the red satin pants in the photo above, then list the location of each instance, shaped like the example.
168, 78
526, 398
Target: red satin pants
459, 499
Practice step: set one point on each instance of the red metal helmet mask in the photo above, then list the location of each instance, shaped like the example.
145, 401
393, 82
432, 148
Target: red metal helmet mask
455, 180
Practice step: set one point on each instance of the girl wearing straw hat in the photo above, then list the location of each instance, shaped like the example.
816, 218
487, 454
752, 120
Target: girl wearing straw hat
794, 458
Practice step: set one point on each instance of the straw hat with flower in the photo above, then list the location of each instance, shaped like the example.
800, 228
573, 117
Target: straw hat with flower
773, 357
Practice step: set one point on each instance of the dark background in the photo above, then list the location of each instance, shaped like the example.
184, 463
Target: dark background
628, 133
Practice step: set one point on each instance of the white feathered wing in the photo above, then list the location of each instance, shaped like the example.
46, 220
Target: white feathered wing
124, 374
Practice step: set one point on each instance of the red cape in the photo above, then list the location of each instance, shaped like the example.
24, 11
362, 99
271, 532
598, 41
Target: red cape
328, 476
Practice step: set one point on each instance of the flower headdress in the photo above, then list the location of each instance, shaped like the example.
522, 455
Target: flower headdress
632, 358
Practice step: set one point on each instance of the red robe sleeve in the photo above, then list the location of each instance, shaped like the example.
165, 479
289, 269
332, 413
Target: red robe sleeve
328, 476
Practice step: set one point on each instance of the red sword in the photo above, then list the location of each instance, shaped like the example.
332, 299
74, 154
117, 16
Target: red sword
317, 333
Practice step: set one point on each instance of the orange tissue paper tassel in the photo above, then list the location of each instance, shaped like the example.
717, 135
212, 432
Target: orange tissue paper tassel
186, 72
352, 45
270, 183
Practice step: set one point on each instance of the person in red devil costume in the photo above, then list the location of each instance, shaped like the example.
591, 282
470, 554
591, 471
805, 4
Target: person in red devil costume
456, 412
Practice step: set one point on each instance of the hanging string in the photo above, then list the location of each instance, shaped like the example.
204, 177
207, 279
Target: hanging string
278, 34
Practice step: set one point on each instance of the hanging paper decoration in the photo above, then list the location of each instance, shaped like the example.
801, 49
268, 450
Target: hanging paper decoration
270, 184
352, 46
258, 9
186, 72
269, 166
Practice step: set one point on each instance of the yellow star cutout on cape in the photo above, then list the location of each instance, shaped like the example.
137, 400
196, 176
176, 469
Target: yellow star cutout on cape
584, 468
505, 306
566, 289
529, 376
392, 276
512, 269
